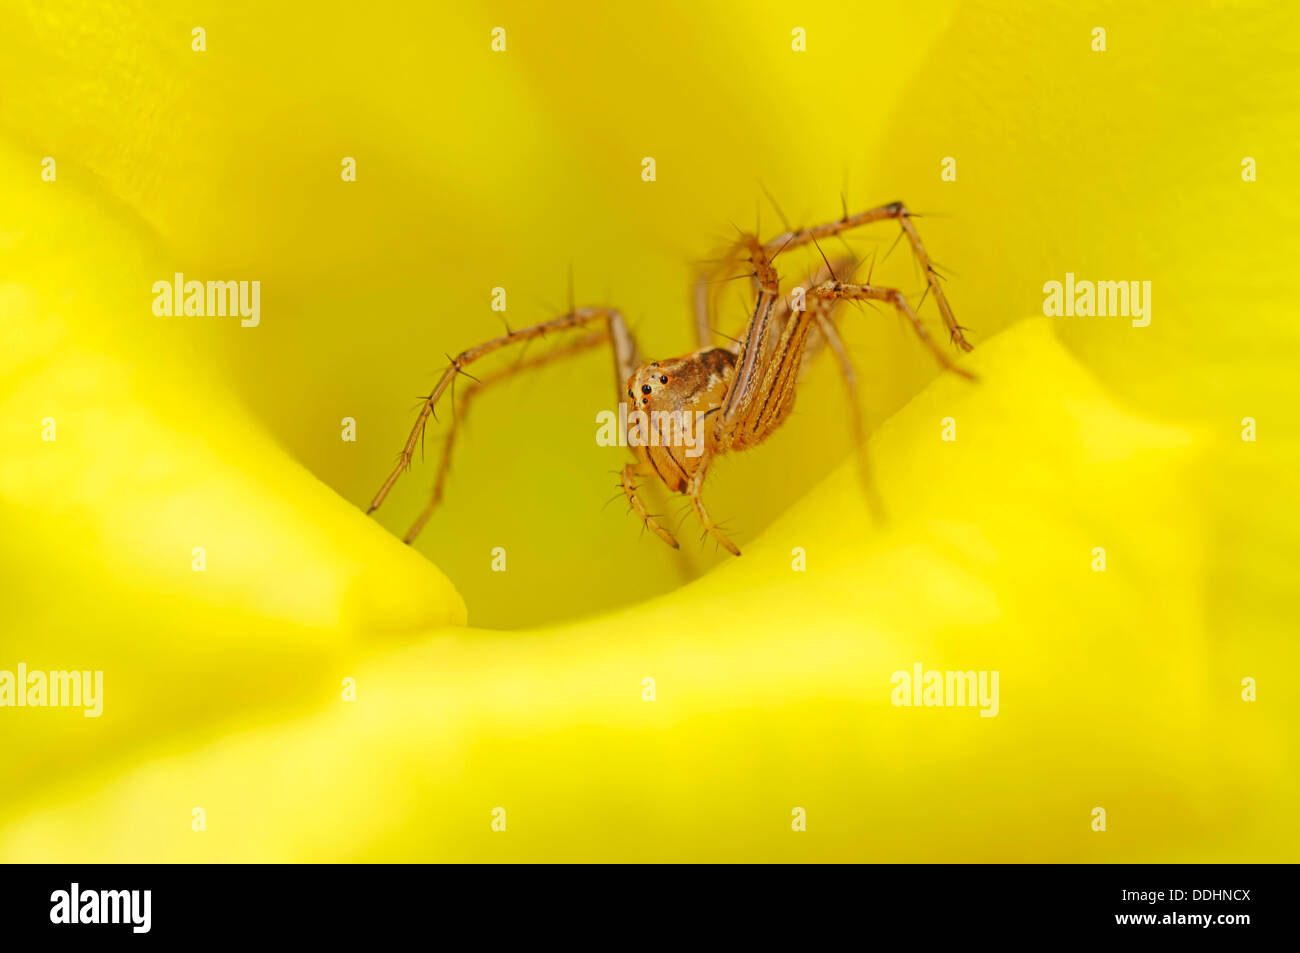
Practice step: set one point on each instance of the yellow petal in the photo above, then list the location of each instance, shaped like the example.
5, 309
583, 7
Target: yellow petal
773, 687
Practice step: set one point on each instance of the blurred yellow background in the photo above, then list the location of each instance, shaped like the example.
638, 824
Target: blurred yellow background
478, 169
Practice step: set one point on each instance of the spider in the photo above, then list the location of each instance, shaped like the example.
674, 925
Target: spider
742, 391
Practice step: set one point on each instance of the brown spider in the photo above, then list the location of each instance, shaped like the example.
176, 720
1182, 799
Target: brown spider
743, 391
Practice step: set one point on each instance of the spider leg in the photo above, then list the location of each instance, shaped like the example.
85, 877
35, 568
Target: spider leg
835, 290
701, 292
462, 411
625, 360
836, 344
752, 358
832, 338
628, 479
723, 271
822, 312
782, 308
702, 514
894, 210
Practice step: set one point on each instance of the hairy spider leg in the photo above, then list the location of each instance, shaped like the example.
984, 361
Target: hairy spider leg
630, 487
693, 490
462, 411
625, 362
894, 210
836, 290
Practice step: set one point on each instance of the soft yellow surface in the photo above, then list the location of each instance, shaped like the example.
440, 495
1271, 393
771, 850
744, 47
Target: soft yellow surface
1118, 689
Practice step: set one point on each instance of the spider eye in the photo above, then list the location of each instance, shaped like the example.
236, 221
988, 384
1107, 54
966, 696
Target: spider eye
645, 388
629, 392
663, 380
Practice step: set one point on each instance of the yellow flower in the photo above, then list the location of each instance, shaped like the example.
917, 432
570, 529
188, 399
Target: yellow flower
140, 449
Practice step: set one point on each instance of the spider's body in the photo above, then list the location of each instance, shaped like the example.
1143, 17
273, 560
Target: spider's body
713, 400
694, 384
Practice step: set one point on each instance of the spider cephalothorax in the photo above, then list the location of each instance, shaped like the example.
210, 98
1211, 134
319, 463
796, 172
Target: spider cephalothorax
677, 398
684, 411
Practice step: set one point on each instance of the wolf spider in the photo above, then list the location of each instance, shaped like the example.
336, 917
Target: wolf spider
745, 389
